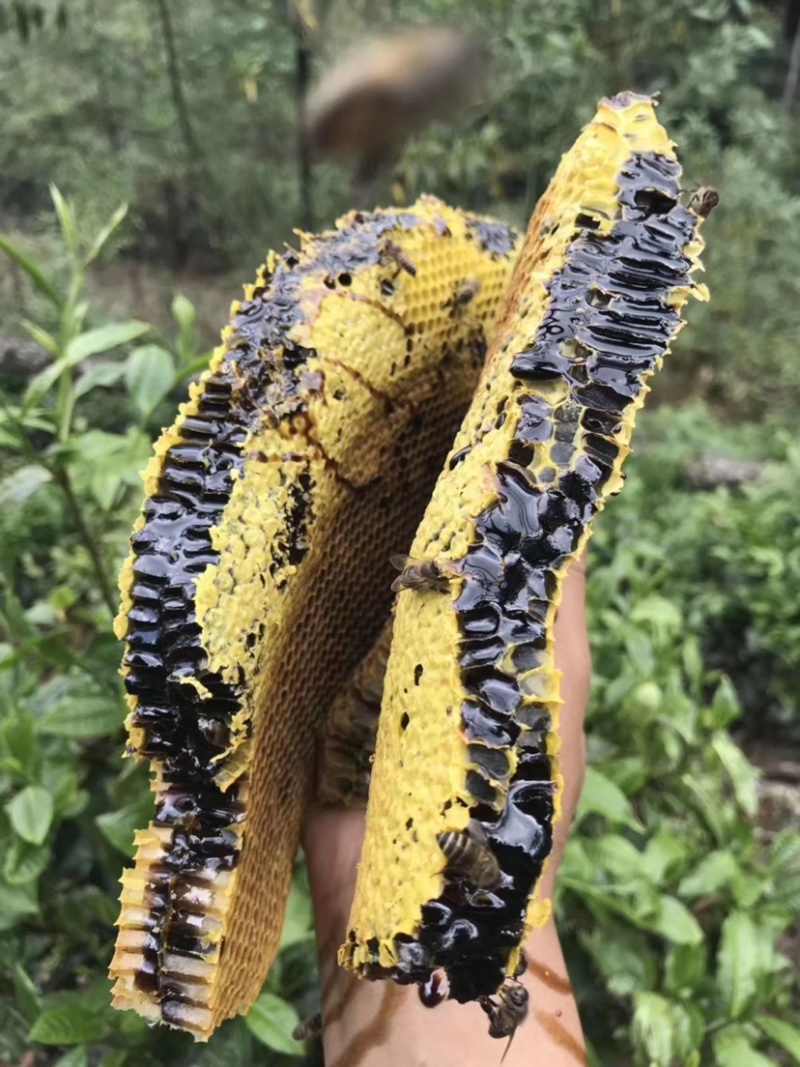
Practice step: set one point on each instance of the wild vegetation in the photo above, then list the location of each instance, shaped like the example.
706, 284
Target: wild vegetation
679, 894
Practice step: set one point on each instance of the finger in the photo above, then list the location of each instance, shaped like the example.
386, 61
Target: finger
573, 659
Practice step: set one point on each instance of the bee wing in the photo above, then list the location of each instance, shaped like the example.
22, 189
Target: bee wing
399, 561
477, 832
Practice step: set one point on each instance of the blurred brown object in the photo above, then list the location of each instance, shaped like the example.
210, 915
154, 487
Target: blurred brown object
369, 103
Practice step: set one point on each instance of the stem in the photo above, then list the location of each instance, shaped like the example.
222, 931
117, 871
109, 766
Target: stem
175, 84
793, 73
62, 478
302, 77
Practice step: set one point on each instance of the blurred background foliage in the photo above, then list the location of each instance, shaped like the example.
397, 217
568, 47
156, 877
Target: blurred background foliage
681, 884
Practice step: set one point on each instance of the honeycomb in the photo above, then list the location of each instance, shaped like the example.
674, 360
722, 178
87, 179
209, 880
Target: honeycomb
467, 733
350, 730
258, 574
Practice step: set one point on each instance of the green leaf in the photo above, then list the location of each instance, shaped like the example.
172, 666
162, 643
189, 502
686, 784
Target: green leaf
662, 1029
69, 1024
16, 903
149, 374
738, 962
782, 1033
676, 923
741, 772
685, 968
725, 707
785, 852
99, 375
23, 483
76, 1057
197, 366
90, 716
41, 337
103, 236
185, 317
664, 854
297, 925
116, 1058
24, 862
736, 1051
66, 218
616, 855
662, 614
31, 813
272, 1021
601, 796
38, 277
103, 339
89, 343
26, 994
714, 872
118, 826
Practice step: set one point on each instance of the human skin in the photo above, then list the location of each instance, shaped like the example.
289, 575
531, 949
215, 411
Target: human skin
380, 1024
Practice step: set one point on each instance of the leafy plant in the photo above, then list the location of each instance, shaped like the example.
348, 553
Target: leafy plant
67, 813
671, 907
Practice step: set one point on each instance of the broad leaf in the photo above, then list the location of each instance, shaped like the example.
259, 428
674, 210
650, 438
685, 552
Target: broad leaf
272, 1021
24, 862
79, 717
90, 343
23, 483
714, 872
149, 374
602, 797
738, 962
76, 1057
685, 968
16, 904
118, 826
661, 1029
69, 1025
674, 922
99, 375
736, 1051
741, 772
31, 813
782, 1033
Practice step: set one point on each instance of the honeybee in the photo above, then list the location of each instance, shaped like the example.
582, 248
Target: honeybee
703, 201
373, 100
418, 574
468, 854
508, 1014
522, 965
464, 292
309, 1028
391, 253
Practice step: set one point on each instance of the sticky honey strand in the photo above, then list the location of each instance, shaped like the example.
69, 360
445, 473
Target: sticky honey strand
259, 576
468, 725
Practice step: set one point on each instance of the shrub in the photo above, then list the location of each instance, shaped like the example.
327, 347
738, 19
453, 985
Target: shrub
671, 910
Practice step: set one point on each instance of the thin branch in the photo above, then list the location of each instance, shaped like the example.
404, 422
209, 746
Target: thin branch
62, 478
175, 83
793, 73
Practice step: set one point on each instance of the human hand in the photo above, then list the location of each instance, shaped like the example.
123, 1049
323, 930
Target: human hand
380, 1024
